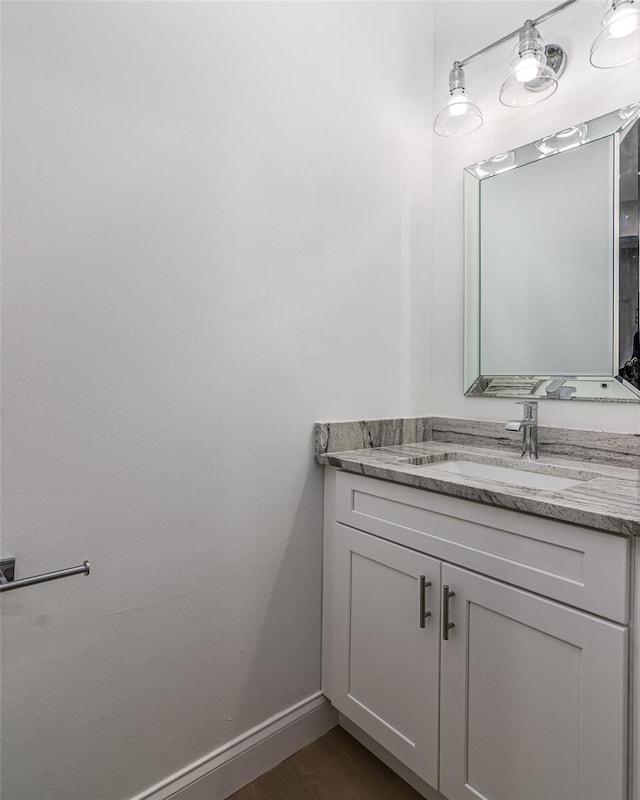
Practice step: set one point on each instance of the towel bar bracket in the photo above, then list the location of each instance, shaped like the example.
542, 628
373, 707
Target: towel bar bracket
7, 570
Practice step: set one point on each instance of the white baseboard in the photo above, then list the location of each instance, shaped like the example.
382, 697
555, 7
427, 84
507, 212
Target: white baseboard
428, 792
232, 766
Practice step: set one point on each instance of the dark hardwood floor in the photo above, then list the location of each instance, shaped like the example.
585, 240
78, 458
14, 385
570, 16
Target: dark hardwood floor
334, 767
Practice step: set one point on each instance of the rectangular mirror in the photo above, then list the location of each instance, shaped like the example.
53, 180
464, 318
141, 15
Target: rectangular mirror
551, 262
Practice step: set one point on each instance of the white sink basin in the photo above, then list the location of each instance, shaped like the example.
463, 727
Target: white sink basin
514, 477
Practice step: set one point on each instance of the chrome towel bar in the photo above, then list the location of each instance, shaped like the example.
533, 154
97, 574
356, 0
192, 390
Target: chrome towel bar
7, 571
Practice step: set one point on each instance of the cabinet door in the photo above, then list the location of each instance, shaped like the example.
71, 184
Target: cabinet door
533, 697
386, 658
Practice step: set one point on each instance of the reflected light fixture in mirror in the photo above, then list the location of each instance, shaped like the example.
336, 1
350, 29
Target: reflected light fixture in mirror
564, 140
532, 79
496, 164
459, 115
618, 42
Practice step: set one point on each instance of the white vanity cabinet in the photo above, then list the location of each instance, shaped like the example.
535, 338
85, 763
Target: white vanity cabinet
525, 696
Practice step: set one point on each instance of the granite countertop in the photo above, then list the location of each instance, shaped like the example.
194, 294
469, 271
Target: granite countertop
606, 497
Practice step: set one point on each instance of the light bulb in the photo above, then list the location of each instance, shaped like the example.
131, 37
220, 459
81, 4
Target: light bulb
623, 21
458, 104
527, 68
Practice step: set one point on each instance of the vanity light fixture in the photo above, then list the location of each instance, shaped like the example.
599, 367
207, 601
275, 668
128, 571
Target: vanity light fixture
536, 69
618, 42
532, 78
459, 115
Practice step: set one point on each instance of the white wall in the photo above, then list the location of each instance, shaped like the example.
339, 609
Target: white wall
462, 28
215, 219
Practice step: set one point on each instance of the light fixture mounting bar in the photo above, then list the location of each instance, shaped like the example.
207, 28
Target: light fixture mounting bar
513, 34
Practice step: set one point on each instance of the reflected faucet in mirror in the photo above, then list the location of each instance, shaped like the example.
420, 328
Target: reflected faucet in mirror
556, 390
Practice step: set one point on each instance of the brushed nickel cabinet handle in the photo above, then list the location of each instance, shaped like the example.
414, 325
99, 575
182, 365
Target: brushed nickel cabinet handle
446, 625
424, 583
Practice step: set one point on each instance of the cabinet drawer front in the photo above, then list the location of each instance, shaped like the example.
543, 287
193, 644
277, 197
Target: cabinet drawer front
584, 568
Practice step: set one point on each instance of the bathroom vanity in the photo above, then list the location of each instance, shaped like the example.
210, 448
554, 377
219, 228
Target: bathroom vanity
480, 631
481, 612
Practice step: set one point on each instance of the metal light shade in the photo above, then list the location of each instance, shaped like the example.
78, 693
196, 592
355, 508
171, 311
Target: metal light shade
459, 115
531, 79
618, 42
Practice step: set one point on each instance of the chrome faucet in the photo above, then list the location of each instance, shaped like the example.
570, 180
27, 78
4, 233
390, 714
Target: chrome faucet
529, 427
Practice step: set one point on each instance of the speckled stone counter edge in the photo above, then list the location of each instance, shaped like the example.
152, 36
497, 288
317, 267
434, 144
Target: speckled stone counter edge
331, 437
620, 449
